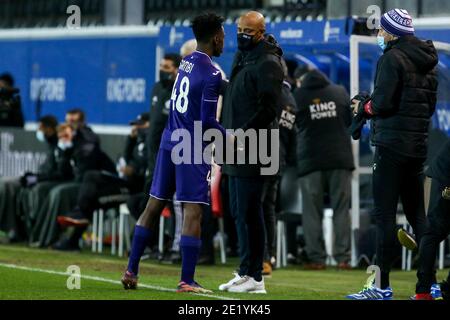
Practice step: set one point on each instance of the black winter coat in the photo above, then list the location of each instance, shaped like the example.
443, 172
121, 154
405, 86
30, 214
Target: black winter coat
404, 97
251, 100
323, 118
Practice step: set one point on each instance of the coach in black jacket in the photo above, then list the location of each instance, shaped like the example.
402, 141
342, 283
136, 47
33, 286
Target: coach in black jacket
400, 107
325, 164
251, 102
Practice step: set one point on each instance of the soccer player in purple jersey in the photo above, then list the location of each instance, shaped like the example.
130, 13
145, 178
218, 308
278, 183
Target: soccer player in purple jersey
194, 98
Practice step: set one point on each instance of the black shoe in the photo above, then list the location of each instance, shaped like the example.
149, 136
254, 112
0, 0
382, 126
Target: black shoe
66, 245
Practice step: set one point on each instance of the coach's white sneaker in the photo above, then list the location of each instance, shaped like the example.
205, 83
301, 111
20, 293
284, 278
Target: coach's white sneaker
226, 286
248, 285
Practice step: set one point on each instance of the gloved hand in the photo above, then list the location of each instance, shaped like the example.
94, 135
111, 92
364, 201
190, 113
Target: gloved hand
29, 180
359, 116
358, 102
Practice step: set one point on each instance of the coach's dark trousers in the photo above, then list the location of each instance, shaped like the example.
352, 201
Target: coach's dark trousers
246, 209
396, 176
438, 229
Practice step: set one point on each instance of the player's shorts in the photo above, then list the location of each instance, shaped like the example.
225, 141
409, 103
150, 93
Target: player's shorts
190, 181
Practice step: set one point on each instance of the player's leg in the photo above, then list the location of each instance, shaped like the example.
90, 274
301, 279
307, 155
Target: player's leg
163, 187
192, 190
190, 241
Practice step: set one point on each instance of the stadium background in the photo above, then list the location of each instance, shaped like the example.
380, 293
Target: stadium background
108, 66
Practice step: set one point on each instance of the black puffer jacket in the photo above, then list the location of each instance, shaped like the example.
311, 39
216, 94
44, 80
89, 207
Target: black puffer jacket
404, 97
323, 118
252, 97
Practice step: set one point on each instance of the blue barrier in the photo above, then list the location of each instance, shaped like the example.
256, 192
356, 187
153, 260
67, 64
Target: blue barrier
109, 77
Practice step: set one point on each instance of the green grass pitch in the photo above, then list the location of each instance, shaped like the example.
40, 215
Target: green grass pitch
38, 274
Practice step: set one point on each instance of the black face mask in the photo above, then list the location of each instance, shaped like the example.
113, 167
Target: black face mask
165, 77
245, 42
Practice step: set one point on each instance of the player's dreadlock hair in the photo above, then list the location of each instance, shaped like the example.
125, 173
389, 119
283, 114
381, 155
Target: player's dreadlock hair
206, 26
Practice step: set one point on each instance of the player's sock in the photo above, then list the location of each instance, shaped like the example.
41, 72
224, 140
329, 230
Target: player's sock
140, 240
190, 250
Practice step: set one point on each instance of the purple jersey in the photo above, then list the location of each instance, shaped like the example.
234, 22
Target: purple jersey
194, 97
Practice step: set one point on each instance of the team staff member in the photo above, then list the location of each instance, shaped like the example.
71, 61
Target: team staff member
84, 155
325, 164
400, 107
438, 227
251, 101
22, 196
97, 184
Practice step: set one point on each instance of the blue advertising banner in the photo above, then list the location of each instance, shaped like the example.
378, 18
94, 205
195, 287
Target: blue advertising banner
108, 77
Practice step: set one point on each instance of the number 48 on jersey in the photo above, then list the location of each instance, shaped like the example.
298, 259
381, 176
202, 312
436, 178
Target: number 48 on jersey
180, 101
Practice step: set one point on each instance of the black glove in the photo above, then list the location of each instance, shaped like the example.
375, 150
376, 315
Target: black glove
363, 98
29, 180
358, 123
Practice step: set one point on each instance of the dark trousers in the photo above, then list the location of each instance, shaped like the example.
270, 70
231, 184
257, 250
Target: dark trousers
269, 202
396, 176
338, 185
438, 229
246, 208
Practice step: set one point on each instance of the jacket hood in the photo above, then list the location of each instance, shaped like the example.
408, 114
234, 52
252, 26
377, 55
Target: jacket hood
315, 79
422, 53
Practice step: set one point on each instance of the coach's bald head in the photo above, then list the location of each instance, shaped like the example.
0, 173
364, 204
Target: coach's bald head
251, 29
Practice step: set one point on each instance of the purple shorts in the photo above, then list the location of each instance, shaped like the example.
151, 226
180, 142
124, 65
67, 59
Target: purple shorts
190, 182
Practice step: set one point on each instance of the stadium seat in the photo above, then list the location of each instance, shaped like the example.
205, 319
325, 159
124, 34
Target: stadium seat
109, 204
124, 229
291, 208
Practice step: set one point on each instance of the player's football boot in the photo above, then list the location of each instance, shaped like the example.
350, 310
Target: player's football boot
406, 239
191, 288
129, 281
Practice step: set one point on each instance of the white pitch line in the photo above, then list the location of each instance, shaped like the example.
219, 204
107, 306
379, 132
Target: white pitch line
94, 278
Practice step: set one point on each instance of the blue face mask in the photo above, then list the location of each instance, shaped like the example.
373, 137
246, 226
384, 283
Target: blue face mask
381, 43
40, 136
63, 145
